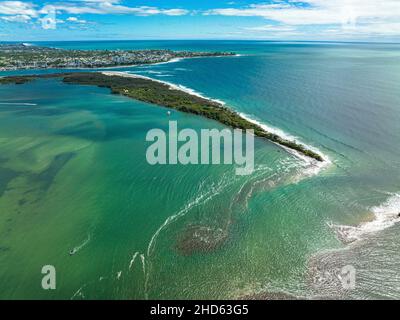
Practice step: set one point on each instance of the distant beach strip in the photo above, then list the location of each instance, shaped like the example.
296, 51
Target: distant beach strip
176, 97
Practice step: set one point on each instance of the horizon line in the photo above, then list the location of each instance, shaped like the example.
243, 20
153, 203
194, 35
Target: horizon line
211, 39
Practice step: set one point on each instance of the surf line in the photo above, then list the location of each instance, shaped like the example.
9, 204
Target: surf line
386, 215
18, 103
202, 199
133, 259
209, 108
287, 139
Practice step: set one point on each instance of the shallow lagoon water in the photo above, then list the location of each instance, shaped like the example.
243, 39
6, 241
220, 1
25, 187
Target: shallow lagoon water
74, 175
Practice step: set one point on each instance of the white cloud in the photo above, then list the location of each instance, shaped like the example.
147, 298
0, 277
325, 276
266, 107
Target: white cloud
18, 11
317, 11
175, 12
272, 28
76, 20
22, 18
270, 31
17, 8
363, 16
110, 7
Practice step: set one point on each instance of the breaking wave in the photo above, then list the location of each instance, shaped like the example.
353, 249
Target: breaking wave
311, 166
169, 84
18, 103
385, 216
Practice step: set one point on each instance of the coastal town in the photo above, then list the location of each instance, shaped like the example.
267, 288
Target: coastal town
25, 56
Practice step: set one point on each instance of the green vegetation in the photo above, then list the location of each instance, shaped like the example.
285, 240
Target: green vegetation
161, 94
16, 80
20, 56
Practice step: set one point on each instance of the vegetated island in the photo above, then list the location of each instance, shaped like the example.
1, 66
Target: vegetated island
162, 94
24, 56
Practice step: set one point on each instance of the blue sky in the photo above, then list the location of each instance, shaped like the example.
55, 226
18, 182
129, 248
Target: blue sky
343, 20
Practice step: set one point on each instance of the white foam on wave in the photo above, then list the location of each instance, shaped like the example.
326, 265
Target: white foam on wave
198, 94
201, 198
146, 275
310, 166
79, 293
143, 260
181, 69
154, 72
385, 215
133, 259
18, 103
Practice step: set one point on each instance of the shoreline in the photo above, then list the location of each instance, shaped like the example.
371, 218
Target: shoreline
320, 164
98, 69
170, 84
326, 161
385, 215
172, 96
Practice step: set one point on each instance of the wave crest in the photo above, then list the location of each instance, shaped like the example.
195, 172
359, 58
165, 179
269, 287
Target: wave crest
385, 216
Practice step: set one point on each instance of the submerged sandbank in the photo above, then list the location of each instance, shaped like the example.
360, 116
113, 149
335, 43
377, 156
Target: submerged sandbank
171, 96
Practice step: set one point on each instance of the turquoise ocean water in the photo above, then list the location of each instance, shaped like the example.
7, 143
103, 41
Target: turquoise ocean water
73, 175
